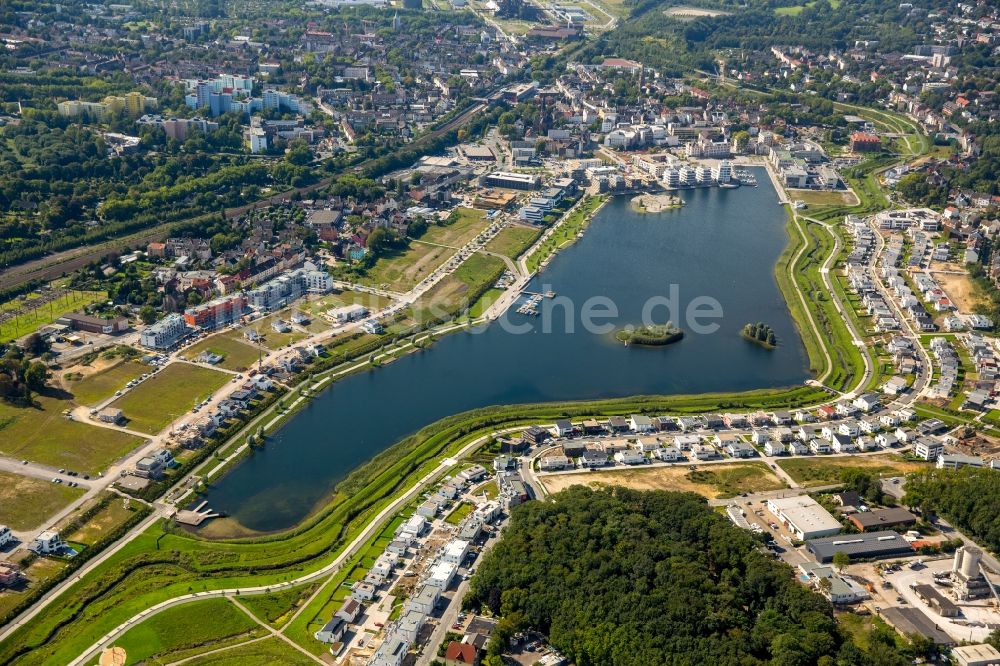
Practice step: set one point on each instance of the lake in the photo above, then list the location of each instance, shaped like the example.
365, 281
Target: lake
723, 245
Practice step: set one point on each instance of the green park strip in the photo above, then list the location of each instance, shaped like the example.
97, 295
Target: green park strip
567, 231
268, 652
155, 403
798, 272
200, 625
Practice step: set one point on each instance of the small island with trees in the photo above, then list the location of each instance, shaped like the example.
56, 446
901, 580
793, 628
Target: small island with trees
650, 336
760, 334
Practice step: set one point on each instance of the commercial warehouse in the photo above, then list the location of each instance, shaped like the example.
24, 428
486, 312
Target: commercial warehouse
804, 517
869, 545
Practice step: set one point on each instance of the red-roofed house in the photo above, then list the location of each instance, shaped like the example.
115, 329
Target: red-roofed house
461, 654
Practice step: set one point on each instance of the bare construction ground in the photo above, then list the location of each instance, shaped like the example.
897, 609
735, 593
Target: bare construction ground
712, 481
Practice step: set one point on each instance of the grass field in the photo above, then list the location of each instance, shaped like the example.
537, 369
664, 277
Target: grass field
26, 503
268, 652
200, 624
722, 480
276, 608
459, 514
795, 10
43, 314
105, 521
44, 435
823, 197
177, 388
237, 354
454, 293
402, 270
819, 471
513, 241
102, 384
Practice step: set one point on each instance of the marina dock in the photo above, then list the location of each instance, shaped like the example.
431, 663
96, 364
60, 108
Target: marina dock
530, 306
196, 516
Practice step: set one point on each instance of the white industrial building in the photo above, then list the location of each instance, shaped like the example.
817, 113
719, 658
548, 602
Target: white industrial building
804, 517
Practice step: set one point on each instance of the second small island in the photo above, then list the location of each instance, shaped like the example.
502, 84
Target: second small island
761, 334
650, 336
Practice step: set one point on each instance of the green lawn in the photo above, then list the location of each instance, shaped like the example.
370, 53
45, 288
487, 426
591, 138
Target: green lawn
821, 471
459, 290
177, 388
43, 315
103, 522
26, 503
199, 624
237, 354
567, 231
513, 241
268, 652
44, 435
276, 608
459, 514
402, 270
101, 385
731, 480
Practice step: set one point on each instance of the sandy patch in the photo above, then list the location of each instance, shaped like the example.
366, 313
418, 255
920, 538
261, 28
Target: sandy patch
693, 12
742, 477
962, 291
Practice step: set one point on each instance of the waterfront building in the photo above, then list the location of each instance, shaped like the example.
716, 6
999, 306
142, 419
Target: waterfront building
723, 173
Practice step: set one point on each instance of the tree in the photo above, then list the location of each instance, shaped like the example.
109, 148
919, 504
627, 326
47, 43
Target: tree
35, 345
147, 314
841, 560
36, 375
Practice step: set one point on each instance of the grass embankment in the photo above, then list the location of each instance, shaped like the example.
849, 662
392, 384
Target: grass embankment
43, 434
154, 403
567, 232
268, 652
821, 471
803, 276
26, 503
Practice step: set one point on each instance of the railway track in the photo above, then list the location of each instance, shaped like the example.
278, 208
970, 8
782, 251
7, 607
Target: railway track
66, 261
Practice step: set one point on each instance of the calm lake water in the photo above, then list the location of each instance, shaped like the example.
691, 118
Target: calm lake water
723, 244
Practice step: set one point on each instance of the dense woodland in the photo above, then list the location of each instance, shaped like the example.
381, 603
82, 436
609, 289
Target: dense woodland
967, 498
621, 577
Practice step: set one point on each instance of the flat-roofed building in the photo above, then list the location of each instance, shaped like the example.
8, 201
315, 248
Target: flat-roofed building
512, 181
975, 655
882, 519
869, 545
804, 517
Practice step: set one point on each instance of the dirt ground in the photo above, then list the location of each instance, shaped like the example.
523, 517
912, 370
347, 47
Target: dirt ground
660, 478
683, 11
97, 365
963, 293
